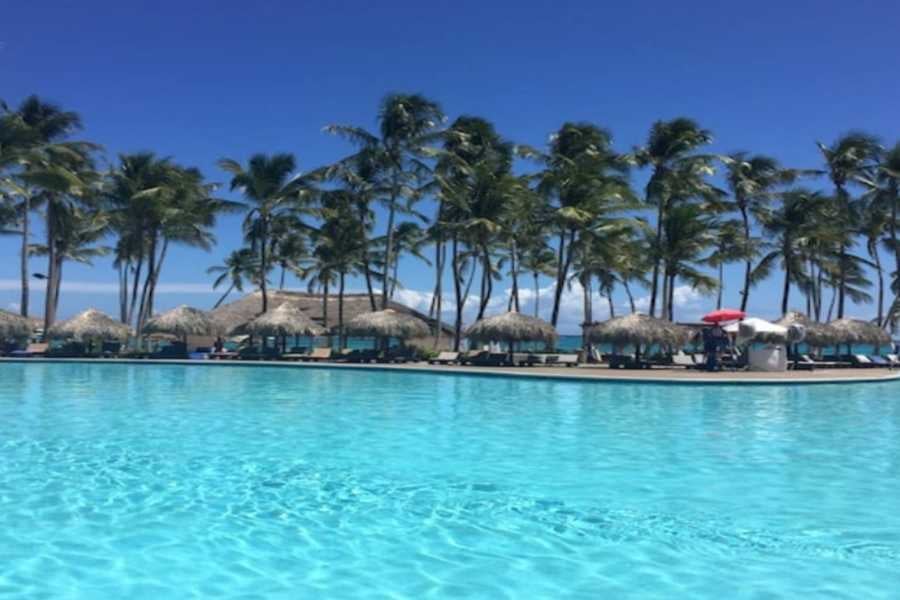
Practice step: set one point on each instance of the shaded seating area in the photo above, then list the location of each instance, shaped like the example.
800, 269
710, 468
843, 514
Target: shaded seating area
384, 325
639, 331
511, 328
90, 334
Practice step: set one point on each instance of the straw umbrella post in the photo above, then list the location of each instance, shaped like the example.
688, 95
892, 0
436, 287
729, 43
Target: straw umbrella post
637, 329
13, 326
90, 325
182, 322
283, 321
856, 331
386, 324
512, 327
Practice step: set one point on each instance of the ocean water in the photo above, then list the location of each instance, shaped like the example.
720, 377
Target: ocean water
166, 481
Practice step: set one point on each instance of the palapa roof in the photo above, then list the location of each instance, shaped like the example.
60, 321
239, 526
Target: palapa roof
388, 323
245, 309
817, 334
182, 321
512, 327
285, 320
856, 331
90, 324
14, 326
637, 328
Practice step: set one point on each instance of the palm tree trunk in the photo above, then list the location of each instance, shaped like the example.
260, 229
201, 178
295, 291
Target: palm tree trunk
225, 295
630, 296
787, 288
877, 259
123, 291
457, 291
831, 305
748, 264
656, 256
664, 296
721, 285
895, 192
437, 301
281, 280
537, 295
514, 267
134, 288
263, 258
341, 340
325, 311
487, 283
585, 281
49, 305
26, 233
672, 297
562, 273
389, 248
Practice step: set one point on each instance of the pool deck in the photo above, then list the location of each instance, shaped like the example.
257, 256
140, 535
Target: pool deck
599, 373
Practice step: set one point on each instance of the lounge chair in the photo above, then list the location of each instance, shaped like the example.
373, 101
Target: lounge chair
397, 355
296, 353
469, 357
491, 359
31, 350
175, 350
524, 359
318, 354
223, 355
366, 355
445, 358
680, 359
70, 349
861, 360
878, 361
893, 359
805, 359
110, 349
568, 360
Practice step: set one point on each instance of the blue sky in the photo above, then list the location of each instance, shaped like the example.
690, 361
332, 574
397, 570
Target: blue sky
201, 80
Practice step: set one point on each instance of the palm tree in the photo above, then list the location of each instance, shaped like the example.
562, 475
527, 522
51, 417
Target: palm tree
268, 184
238, 265
584, 178
670, 150
888, 196
408, 123
851, 159
688, 232
873, 224
76, 232
792, 225
24, 133
751, 180
730, 245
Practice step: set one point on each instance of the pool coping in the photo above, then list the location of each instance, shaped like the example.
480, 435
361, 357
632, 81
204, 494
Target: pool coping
565, 374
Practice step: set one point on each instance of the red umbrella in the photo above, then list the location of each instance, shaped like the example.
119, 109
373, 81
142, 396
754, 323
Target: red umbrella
724, 314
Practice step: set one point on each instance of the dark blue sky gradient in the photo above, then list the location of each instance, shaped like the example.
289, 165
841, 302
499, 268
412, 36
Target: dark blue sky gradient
201, 80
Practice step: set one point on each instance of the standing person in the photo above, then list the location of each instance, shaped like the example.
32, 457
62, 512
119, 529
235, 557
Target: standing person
711, 349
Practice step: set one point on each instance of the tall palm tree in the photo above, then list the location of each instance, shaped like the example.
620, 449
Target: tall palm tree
887, 192
688, 233
730, 245
407, 125
76, 232
752, 180
670, 152
852, 159
792, 225
269, 185
238, 265
873, 223
584, 178
24, 133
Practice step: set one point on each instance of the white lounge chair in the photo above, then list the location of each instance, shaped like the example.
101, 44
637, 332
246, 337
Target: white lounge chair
445, 358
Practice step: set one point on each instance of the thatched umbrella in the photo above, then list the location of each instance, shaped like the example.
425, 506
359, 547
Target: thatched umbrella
285, 320
89, 325
817, 334
856, 331
512, 327
13, 326
637, 329
182, 321
387, 323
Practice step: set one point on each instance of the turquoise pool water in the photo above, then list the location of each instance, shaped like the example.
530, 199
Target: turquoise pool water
153, 481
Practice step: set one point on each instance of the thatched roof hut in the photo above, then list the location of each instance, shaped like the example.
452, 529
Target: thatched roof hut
90, 324
817, 334
230, 315
285, 320
512, 327
638, 329
856, 331
182, 321
13, 326
387, 323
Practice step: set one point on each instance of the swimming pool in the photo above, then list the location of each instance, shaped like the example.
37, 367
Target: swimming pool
168, 481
